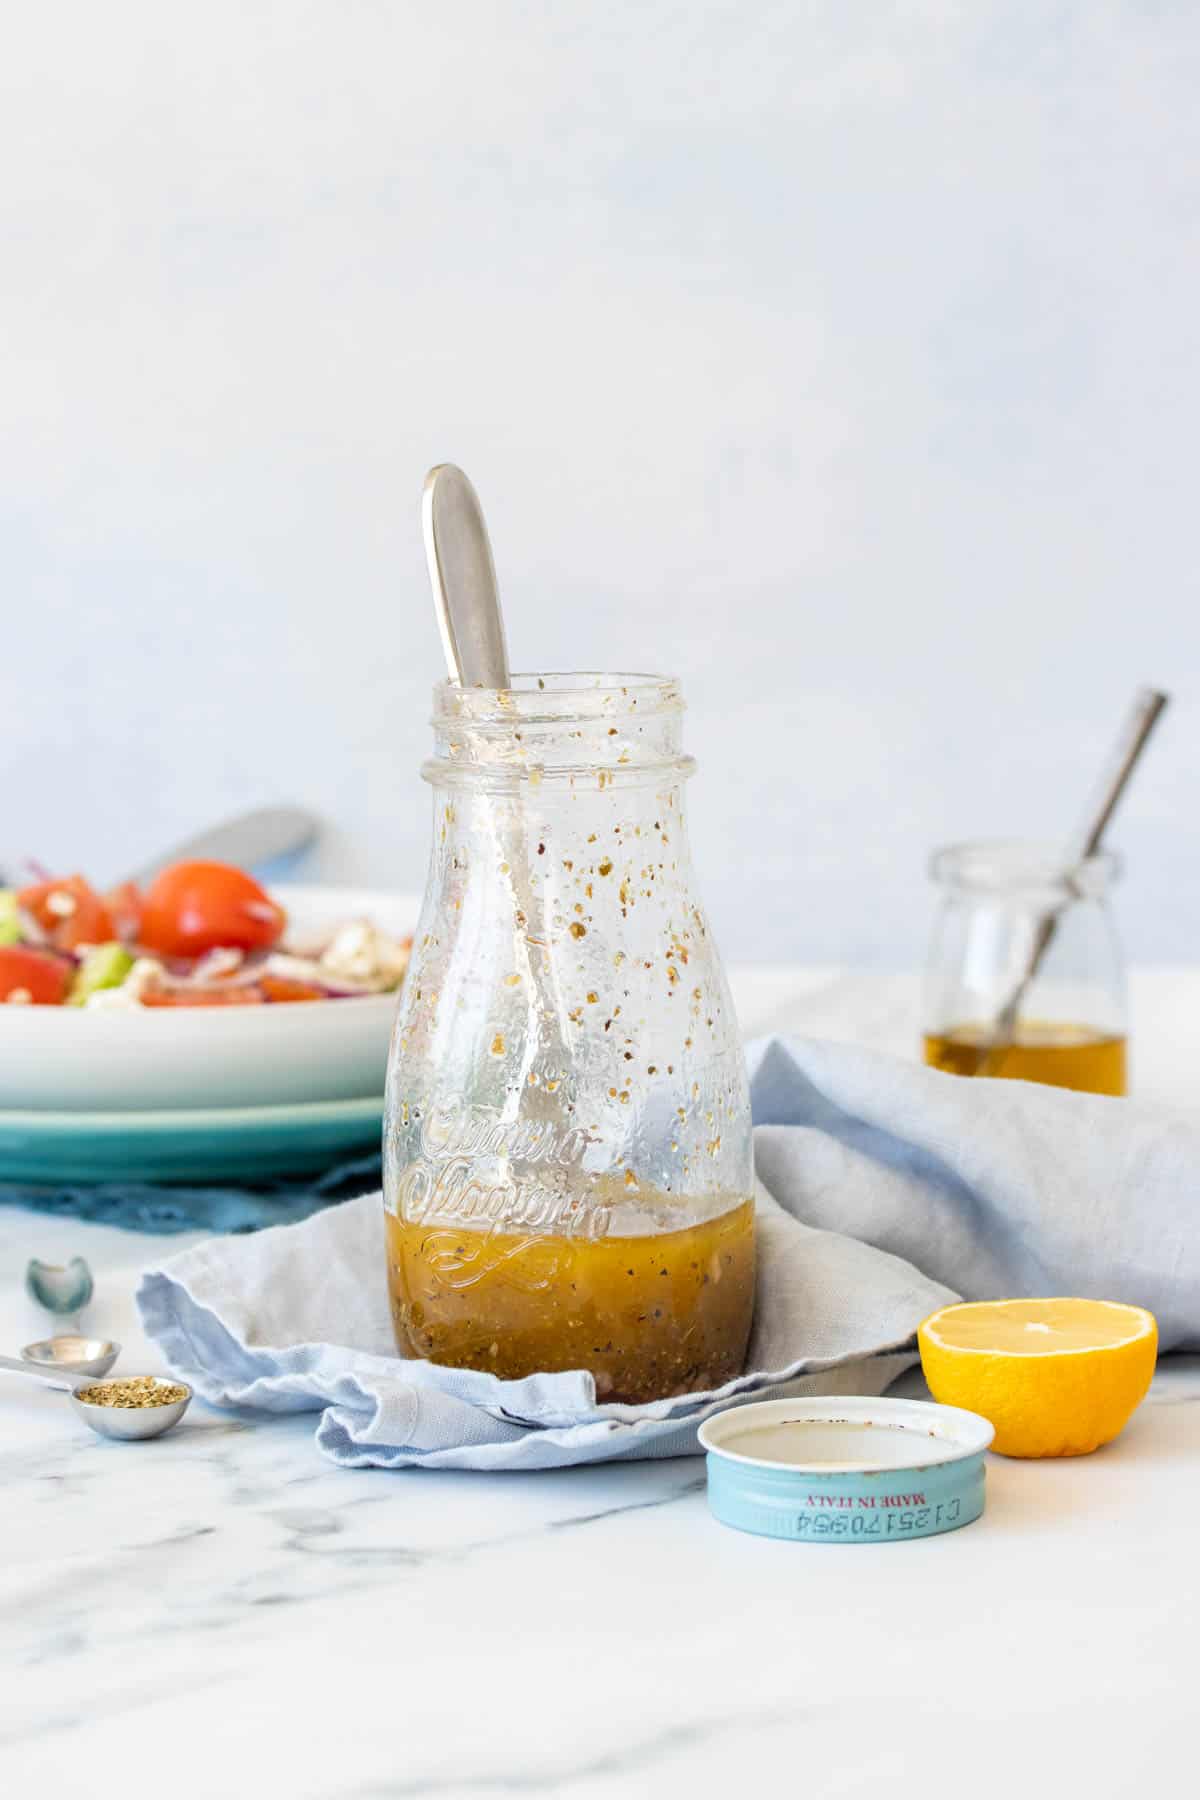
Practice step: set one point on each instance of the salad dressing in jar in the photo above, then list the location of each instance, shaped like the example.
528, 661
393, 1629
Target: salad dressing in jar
567, 1159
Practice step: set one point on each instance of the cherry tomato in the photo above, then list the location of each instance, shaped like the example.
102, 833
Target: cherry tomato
249, 995
197, 906
35, 976
284, 987
124, 905
70, 912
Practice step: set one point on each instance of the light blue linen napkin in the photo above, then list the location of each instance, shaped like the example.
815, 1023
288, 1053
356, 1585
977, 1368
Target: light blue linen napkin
885, 1191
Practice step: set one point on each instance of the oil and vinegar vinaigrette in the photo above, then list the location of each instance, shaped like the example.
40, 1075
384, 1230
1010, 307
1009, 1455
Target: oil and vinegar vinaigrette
660, 1312
567, 1145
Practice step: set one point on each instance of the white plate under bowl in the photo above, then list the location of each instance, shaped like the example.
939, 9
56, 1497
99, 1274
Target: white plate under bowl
56, 1058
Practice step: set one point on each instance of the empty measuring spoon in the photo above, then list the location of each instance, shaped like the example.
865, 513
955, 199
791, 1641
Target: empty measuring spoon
73, 1355
62, 1288
126, 1422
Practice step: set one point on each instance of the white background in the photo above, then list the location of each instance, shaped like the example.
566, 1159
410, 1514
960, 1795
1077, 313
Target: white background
840, 359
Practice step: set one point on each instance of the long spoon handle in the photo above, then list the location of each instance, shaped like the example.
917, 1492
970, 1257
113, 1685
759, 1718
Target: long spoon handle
467, 599
463, 577
54, 1379
1144, 715
249, 839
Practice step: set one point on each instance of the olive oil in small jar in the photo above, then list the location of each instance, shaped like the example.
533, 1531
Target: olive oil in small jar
1071, 1031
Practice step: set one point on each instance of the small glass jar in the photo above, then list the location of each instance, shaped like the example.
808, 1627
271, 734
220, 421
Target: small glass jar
568, 1175
1071, 1027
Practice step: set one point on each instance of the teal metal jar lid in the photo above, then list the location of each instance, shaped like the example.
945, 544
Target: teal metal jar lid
843, 1470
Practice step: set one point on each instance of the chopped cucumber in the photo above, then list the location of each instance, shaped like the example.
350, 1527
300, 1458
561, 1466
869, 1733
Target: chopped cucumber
103, 966
10, 921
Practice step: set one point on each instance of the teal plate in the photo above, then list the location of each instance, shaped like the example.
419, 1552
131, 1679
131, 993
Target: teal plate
243, 1144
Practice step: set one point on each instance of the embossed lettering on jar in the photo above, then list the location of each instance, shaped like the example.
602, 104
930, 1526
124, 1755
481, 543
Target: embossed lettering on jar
568, 1169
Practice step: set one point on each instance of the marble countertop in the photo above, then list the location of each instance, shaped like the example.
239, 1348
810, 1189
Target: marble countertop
221, 1613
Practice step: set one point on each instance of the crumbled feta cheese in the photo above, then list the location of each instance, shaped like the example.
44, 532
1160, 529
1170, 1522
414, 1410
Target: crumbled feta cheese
294, 968
361, 952
145, 972
61, 905
215, 965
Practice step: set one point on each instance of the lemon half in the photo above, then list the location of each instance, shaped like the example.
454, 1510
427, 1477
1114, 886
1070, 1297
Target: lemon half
1055, 1377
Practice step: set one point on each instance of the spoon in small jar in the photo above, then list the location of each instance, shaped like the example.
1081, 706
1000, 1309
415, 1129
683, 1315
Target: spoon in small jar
1148, 706
146, 1419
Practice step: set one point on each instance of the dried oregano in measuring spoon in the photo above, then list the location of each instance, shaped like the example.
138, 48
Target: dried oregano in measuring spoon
138, 1390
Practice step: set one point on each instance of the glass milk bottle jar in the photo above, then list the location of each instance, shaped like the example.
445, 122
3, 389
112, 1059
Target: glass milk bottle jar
567, 1167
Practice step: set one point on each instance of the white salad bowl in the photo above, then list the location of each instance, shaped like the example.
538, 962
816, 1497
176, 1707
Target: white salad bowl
63, 1058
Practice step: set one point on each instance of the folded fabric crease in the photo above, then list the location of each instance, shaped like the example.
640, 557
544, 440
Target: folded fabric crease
886, 1190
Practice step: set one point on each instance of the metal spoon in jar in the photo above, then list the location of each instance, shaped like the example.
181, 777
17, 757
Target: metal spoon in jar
125, 1422
1143, 717
462, 574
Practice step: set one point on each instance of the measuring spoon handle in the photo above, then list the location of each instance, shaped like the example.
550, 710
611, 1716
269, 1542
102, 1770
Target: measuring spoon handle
53, 1378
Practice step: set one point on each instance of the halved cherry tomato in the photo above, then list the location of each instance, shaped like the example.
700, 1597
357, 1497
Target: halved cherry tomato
284, 987
197, 906
70, 912
124, 905
249, 995
35, 976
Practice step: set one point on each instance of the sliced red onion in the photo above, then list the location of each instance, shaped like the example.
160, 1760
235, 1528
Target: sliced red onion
307, 969
215, 965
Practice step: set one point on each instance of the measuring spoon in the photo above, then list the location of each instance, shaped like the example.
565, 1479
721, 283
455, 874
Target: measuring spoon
126, 1422
72, 1355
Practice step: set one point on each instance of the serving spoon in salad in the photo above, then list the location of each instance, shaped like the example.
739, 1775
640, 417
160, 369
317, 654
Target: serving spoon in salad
249, 840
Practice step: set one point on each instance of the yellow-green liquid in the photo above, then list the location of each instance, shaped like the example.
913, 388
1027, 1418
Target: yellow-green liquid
1069, 1056
665, 1313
